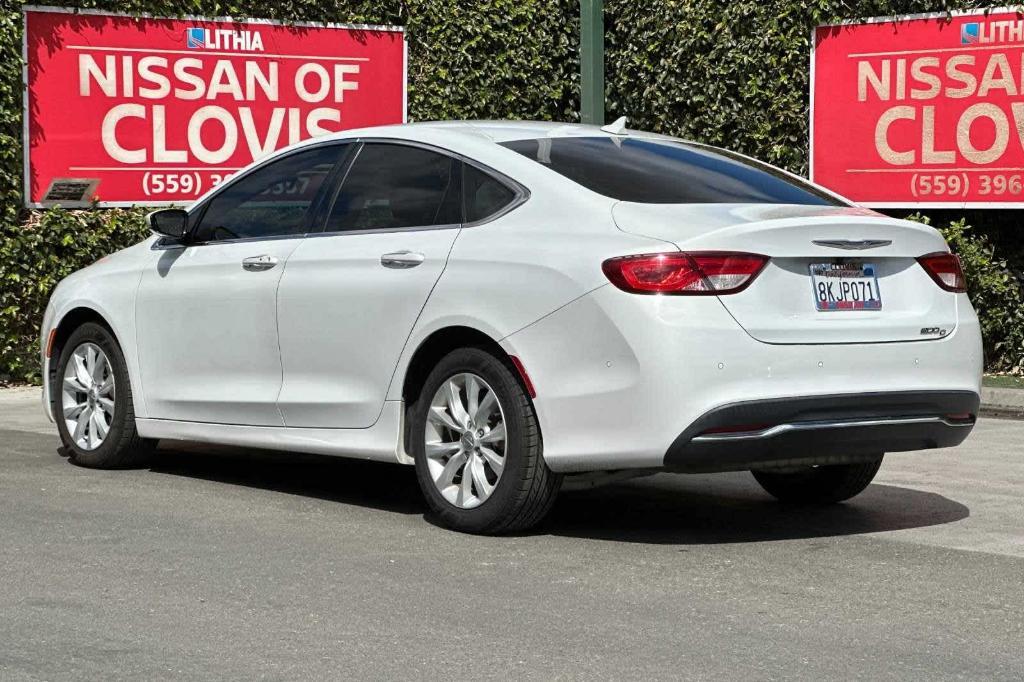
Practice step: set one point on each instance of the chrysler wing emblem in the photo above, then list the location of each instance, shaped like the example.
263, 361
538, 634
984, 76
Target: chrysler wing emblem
852, 245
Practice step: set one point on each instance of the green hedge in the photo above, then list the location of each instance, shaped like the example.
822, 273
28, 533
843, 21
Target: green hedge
46, 248
997, 294
733, 74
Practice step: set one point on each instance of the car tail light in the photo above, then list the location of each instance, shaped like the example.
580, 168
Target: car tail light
684, 274
945, 269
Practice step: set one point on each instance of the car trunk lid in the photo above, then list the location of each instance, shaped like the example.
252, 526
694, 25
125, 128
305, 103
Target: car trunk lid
839, 243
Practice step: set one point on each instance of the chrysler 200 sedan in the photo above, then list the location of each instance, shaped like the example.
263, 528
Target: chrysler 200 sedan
510, 305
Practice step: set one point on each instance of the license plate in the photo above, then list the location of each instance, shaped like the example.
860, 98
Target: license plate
845, 286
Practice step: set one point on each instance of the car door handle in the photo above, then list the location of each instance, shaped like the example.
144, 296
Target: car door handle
401, 259
258, 263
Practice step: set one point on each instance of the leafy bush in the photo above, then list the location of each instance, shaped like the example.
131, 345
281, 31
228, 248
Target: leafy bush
995, 291
34, 256
733, 74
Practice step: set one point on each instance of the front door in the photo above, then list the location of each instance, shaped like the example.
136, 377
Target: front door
207, 310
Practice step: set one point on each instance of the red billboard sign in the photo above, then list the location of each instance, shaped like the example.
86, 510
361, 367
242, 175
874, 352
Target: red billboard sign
141, 110
924, 110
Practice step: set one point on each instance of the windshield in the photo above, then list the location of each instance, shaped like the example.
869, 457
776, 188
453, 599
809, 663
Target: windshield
653, 171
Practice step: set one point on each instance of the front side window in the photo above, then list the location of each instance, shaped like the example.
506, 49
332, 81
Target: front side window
273, 200
653, 171
393, 186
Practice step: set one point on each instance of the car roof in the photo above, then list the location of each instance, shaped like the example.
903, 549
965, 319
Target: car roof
504, 131
494, 131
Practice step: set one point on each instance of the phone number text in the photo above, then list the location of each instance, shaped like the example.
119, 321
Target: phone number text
961, 184
185, 184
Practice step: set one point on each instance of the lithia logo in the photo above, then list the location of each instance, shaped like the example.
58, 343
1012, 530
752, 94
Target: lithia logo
223, 39
992, 32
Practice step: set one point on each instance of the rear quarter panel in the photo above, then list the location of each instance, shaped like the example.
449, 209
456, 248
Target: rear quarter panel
504, 275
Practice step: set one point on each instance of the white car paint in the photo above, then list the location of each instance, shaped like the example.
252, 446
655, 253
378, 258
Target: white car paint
311, 355
334, 294
646, 388
207, 332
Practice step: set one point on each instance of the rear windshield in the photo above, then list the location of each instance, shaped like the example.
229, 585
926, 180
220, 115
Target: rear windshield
667, 172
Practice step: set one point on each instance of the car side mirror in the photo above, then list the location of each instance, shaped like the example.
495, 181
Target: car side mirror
169, 222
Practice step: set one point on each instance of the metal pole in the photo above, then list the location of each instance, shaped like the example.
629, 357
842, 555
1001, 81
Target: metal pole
592, 61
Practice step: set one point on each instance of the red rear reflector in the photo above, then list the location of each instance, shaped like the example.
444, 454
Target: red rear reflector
525, 377
49, 342
945, 269
684, 274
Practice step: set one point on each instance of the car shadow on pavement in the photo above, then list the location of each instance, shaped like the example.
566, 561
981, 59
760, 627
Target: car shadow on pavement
662, 509
376, 485
732, 508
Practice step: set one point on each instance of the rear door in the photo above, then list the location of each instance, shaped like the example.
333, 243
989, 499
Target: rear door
351, 295
836, 275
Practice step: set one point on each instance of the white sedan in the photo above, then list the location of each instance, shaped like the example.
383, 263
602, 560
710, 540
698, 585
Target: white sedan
507, 305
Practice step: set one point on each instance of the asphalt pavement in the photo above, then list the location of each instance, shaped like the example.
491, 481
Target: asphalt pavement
226, 564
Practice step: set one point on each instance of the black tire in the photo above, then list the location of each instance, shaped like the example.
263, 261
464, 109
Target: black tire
819, 485
122, 447
527, 488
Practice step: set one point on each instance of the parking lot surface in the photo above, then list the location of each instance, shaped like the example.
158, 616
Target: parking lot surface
229, 564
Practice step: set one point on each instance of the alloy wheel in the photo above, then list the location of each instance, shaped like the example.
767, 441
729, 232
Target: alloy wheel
465, 440
87, 396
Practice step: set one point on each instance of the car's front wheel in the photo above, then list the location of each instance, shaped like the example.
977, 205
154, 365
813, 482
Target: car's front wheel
94, 411
820, 484
477, 445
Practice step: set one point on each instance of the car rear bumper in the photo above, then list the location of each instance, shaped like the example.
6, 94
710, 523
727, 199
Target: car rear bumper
822, 430
619, 377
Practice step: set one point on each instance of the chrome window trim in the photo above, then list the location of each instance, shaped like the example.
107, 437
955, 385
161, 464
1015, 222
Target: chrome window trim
162, 244
385, 230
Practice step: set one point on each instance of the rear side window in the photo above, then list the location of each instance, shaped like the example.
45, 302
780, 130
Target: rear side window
483, 194
667, 172
272, 201
393, 186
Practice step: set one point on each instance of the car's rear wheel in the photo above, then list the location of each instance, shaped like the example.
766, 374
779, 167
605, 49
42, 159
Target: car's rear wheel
94, 411
820, 484
477, 446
